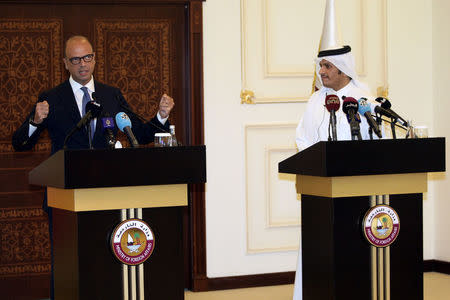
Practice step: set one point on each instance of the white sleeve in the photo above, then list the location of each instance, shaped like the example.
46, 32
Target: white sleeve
303, 136
163, 121
306, 133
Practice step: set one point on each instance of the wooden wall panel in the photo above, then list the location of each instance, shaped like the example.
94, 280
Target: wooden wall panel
30, 52
143, 47
24, 240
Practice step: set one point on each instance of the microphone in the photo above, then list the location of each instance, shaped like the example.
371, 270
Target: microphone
386, 104
108, 126
94, 97
350, 108
124, 124
93, 110
332, 103
364, 109
388, 113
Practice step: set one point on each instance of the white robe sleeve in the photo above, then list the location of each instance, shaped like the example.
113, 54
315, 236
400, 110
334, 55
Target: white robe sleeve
307, 132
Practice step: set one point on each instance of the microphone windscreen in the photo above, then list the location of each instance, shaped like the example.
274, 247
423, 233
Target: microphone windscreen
363, 106
122, 121
94, 107
350, 103
108, 123
385, 103
332, 102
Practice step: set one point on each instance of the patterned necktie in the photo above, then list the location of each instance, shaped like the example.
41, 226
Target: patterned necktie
86, 99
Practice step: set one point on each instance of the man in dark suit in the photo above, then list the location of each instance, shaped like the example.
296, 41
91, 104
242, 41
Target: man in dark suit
61, 108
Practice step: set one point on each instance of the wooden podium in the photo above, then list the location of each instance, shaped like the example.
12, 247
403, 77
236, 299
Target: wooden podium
339, 182
92, 191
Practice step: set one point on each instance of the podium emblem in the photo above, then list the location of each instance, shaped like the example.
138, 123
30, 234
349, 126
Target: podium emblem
132, 242
381, 225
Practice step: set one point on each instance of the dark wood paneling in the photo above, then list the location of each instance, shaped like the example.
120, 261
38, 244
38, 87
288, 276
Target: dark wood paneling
185, 84
197, 194
24, 240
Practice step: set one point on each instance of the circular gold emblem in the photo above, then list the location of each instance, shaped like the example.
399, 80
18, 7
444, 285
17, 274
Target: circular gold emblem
132, 242
381, 225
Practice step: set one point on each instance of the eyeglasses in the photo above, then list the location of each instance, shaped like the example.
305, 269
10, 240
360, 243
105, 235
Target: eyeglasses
77, 60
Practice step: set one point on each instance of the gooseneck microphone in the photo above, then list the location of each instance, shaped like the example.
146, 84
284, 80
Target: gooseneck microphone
386, 105
129, 111
124, 124
93, 110
107, 125
364, 109
332, 103
350, 108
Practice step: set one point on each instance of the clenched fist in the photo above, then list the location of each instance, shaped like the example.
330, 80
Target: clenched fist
41, 112
165, 106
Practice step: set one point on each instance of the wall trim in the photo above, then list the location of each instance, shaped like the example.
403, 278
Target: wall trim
434, 265
245, 281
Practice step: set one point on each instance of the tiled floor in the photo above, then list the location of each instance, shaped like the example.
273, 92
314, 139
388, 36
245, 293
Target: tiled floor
436, 287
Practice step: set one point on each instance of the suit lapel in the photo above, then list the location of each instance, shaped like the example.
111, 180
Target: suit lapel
70, 102
99, 93
70, 105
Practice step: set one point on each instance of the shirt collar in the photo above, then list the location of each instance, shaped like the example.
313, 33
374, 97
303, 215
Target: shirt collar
76, 86
341, 92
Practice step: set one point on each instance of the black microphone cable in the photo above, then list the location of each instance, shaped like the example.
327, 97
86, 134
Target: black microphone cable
129, 111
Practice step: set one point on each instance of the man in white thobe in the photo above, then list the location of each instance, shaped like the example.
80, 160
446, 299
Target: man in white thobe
336, 71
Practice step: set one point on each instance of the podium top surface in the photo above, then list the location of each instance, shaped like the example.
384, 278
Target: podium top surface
72, 169
369, 157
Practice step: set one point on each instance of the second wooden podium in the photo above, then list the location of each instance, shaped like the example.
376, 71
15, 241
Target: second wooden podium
362, 216
92, 192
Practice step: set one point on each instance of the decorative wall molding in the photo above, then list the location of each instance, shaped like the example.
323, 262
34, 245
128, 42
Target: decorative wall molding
269, 72
272, 220
272, 205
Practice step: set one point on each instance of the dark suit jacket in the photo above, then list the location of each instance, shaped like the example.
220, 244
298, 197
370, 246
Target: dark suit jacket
64, 115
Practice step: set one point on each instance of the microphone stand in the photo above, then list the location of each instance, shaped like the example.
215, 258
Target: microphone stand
370, 133
329, 131
88, 127
333, 125
332, 134
396, 125
355, 129
393, 121
379, 120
